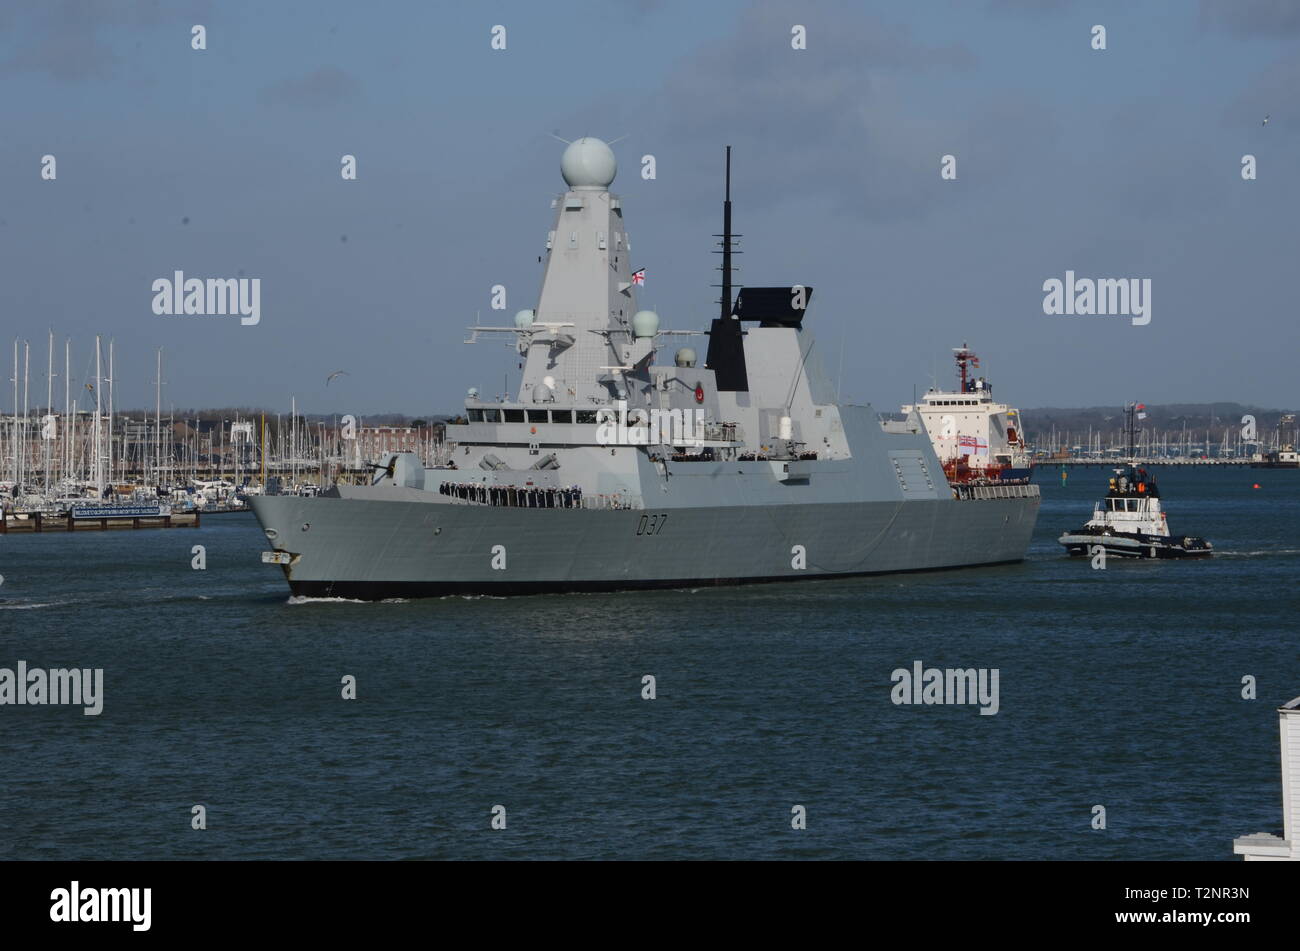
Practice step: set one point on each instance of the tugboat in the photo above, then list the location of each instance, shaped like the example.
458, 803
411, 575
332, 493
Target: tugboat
1128, 522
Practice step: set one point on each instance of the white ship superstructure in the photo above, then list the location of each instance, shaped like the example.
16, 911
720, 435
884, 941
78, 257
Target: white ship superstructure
975, 438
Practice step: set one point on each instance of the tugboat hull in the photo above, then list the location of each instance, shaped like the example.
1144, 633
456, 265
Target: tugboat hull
1136, 546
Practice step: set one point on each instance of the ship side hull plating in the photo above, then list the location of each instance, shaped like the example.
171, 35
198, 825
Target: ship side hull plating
370, 550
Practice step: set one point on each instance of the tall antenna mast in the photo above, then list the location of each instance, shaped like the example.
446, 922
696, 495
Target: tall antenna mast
726, 245
1131, 428
726, 356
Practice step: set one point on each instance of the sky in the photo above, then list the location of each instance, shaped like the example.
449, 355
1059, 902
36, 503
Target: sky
225, 162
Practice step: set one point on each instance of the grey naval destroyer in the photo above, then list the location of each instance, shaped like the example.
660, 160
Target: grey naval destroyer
610, 470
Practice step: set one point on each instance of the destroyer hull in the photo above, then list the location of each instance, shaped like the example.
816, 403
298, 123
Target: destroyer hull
370, 550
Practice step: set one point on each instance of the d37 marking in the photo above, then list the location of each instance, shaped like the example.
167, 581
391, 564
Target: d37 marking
652, 524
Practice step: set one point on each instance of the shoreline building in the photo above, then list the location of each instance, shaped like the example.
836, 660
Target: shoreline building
1264, 846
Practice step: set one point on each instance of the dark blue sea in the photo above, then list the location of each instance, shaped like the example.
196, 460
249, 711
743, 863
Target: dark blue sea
1119, 687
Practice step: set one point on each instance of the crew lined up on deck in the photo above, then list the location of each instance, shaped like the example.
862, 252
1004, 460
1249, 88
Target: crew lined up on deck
528, 497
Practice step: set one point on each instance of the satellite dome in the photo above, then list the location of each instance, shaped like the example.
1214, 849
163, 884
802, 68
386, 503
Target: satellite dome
645, 323
685, 357
588, 163
523, 319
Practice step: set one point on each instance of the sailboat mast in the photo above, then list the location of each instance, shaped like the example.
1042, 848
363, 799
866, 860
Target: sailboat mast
110, 411
157, 423
66, 444
27, 366
14, 432
49, 406
98, 467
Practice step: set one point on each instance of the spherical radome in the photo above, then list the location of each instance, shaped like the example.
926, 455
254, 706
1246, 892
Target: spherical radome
645, 323
523, 320
588, 163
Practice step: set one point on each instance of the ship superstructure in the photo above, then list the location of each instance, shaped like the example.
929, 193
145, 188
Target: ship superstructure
611, 469
977, 439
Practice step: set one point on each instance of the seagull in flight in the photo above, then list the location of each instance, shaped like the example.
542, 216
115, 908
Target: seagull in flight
334, 374
1265, 122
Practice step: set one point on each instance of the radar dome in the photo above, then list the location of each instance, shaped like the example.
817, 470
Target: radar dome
523, 319
645, 323
685, 357
588, 163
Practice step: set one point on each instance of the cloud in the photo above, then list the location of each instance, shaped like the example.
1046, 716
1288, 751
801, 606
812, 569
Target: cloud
1271, 93
1267, 17
859, 119
80, 40
326, 86
1029, 6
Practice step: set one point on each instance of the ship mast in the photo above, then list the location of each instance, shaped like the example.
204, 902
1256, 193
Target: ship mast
725, 300
726, 354
1130, 429
965, 359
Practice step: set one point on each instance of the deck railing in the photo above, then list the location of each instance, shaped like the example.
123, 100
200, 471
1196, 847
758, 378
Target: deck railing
985, 492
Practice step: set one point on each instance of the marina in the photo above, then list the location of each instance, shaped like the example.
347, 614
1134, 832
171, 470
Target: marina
116, 518
52, 461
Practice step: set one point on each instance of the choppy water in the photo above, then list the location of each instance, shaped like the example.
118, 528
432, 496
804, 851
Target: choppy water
1119, 687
